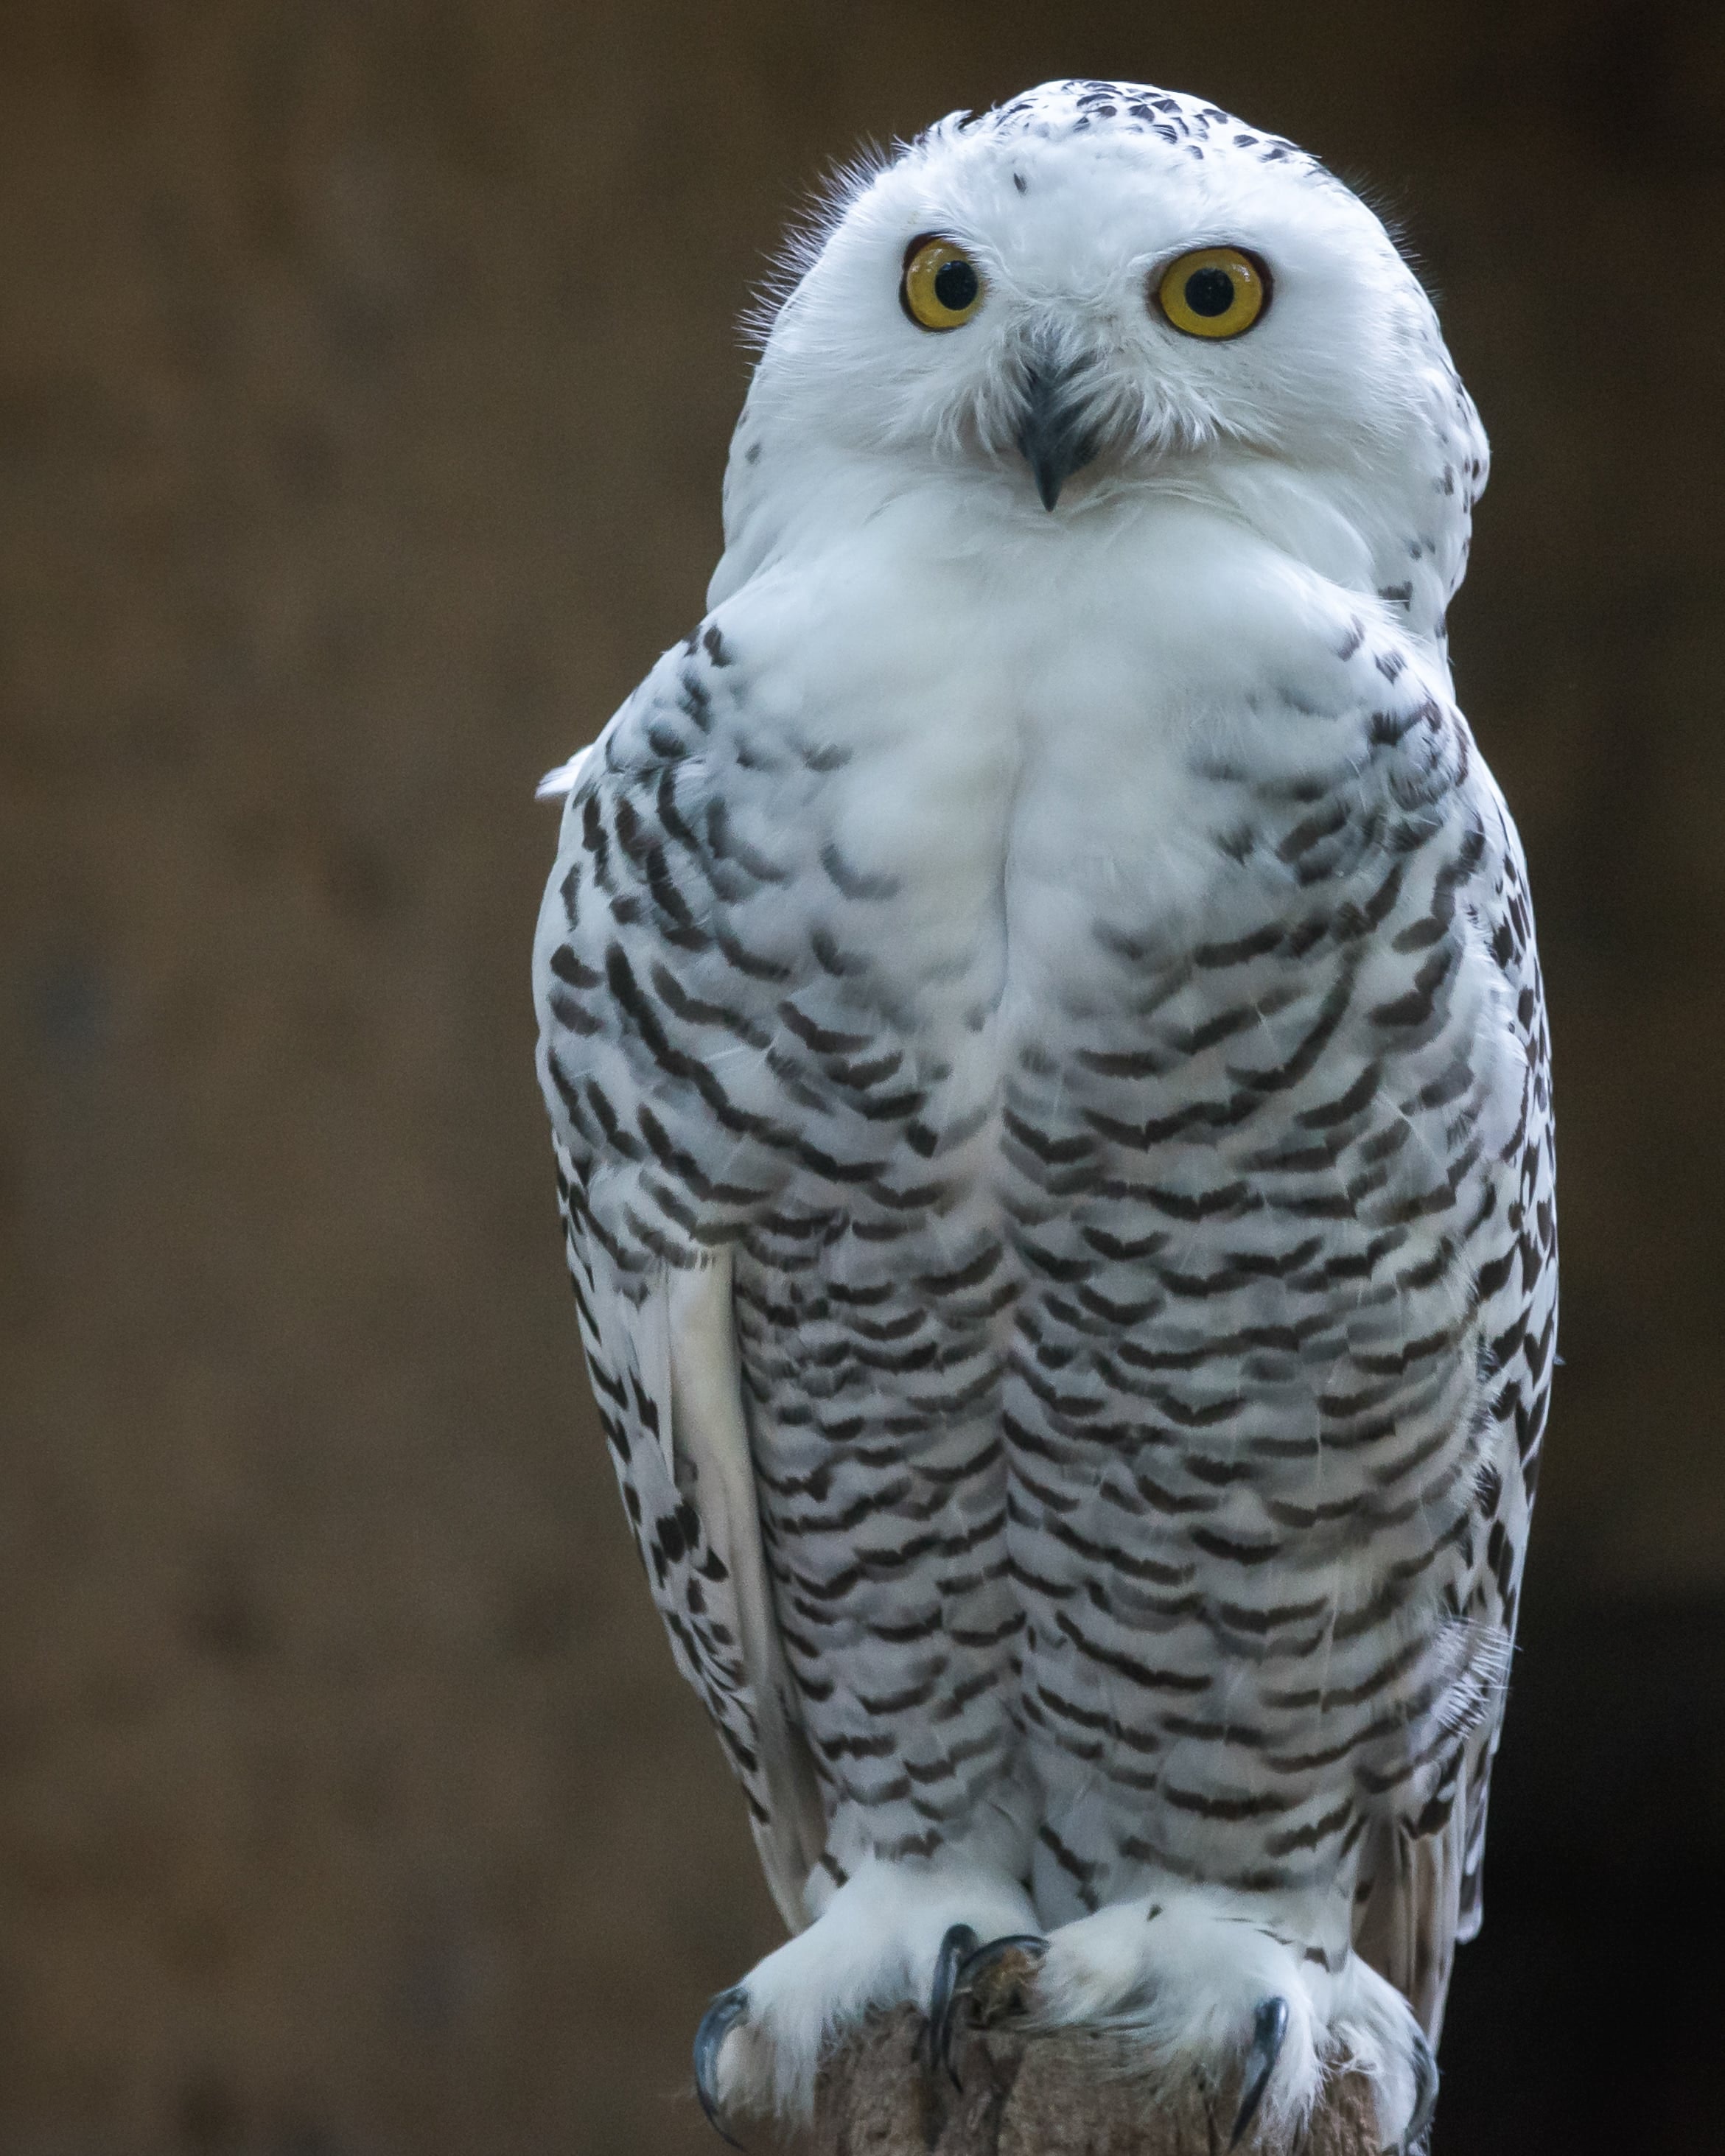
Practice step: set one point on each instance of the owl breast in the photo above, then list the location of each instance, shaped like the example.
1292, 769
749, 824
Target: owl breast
1169, 1067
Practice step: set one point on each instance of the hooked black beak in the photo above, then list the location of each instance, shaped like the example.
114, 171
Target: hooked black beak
1052, 434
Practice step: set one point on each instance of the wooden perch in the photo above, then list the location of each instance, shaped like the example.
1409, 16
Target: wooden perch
1071, 2093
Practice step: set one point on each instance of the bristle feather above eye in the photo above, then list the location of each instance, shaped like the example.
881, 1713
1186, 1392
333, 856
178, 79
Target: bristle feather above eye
820, 215
810, 228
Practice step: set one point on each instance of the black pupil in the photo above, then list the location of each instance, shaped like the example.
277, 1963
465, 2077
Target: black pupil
1210, 292
955, 286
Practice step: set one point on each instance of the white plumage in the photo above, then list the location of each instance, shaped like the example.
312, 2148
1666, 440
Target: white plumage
1039, 1013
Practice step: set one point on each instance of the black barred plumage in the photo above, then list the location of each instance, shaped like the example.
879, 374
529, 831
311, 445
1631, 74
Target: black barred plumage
1063, 1232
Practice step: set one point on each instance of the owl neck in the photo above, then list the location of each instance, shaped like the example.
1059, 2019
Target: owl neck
1399, 540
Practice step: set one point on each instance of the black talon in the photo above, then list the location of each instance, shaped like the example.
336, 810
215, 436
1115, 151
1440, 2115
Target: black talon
1270, 2024
727, 2008
976, 1965
957, 1947
1426, 2091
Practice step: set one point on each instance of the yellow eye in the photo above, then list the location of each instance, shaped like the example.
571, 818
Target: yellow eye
1214, 292
941, 286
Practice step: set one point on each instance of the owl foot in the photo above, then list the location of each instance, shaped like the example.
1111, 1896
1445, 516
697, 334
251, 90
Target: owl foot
957, 1947
1270, 2026
988, 1985
1223, 1985
715, 2025
993, 1982
894, 1933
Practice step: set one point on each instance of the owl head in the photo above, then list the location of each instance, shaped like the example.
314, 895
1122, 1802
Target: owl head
1102, 293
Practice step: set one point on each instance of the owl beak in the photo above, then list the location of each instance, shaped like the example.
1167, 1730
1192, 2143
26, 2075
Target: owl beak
1053, 435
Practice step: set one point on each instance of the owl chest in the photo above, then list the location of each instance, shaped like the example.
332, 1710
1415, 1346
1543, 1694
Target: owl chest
1243, 1039
1097, 913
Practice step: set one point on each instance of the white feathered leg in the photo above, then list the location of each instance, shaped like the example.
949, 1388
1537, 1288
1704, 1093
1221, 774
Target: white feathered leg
1223, 1982
875, 1944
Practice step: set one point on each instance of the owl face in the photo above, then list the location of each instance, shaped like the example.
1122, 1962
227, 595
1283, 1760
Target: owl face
1102, 287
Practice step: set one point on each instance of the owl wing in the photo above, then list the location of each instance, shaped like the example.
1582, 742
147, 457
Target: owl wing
1421, 1883
648, 1142
661, 1353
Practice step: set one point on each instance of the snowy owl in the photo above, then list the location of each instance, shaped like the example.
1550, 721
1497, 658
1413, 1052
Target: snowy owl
1039, 1013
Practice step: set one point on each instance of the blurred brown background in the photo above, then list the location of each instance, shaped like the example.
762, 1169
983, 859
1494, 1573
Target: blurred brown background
365, 372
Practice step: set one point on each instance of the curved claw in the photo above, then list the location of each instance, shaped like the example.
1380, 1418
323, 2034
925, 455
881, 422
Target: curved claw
1270, 2024
727, 2008
977, 1965
1426, 2093
957, 1947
